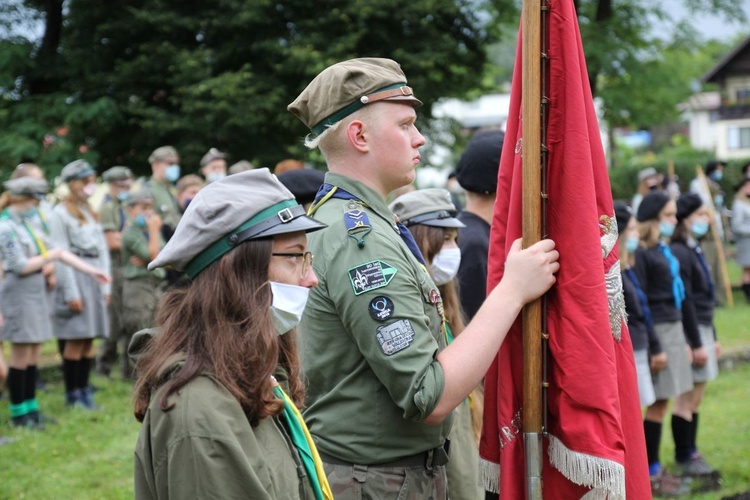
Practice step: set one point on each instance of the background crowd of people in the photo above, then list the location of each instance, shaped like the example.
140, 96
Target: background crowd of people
79, 273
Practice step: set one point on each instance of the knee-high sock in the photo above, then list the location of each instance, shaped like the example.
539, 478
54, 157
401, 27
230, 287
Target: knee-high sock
17, 391
70, 374
694, 435
84, 369
653, 440
30, 390
681, 431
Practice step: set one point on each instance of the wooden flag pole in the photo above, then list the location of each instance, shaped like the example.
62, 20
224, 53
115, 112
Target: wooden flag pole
532, 233
715, 235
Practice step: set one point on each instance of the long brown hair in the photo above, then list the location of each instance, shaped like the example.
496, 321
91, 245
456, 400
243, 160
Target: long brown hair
73, 203
430, 240
221, 324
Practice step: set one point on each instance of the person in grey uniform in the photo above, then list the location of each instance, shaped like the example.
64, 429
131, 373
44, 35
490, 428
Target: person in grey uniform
25, 252
81, 308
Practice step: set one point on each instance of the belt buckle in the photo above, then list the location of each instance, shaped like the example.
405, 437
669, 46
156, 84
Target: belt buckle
285, 215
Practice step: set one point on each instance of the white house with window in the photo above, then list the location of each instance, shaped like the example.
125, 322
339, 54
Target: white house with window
722, 120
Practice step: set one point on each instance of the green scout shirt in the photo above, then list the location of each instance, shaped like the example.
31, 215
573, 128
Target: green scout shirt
165, 202
135, 243
112, 219
370, 336
206, 448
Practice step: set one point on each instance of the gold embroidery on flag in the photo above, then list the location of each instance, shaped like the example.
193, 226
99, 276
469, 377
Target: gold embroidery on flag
615, 300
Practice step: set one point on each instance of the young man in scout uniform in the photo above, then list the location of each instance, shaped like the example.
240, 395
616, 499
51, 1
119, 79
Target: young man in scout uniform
112, 217
382, 385
165, 171
142, 289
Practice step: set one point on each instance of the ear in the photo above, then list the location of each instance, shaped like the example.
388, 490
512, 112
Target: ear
355, 133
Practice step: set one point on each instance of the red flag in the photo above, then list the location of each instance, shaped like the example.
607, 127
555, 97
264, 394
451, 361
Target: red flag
595, 440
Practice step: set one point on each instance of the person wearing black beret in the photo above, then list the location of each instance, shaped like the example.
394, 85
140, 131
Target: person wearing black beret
741, 231
697, 320
658, 272
647, 350
303, 183
476, 173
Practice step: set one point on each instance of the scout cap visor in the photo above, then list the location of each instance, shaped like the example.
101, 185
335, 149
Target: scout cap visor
301, 223
436, 219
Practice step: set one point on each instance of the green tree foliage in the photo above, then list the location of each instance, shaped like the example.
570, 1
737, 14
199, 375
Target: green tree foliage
128, 76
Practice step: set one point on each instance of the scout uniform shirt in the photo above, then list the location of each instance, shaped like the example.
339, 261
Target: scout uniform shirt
165, 202
135, 243
370, 335
206, 448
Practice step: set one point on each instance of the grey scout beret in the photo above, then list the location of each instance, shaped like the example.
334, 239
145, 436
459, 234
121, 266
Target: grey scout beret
341, 89
163, 153
142, 195
213, 154
118, 173
78, 169
27, 186
429, 207
245, 206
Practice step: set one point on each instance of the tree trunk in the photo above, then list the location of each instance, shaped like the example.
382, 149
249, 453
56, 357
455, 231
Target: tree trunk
42, 76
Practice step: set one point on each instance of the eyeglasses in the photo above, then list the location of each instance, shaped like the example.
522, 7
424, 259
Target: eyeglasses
306, 257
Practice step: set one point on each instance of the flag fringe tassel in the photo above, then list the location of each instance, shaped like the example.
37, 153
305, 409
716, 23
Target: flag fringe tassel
606, 477
489, 473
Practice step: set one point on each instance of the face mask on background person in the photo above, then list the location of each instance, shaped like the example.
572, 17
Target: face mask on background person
88, 190
31, 212
445, 265
123, 195
631, 244
172, 173
140, 220
719, 200
666, 229
699, 228
717, 175
288, 304
215, 176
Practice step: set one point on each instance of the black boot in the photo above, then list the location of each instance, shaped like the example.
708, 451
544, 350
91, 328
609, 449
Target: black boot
746, 291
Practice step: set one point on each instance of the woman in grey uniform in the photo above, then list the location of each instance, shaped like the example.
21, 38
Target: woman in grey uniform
81, 305
430, 216
25, 252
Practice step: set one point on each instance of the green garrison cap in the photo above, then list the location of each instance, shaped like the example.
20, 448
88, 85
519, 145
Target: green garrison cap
341, 89
142, 195
213, 154
245, 206
163, 153
118, 173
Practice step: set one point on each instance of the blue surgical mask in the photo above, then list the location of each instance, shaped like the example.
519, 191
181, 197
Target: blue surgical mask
666, 229
172, 173
187, 202
699, 228
28, 214
216, 176
717, 175
719, 200
140, 220
123, 195
631, 244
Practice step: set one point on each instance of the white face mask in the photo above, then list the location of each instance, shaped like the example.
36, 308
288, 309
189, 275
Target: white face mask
445, 265
288, 305
216, 176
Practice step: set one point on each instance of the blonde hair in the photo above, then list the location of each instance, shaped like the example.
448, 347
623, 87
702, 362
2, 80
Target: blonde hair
74, 204
648, 232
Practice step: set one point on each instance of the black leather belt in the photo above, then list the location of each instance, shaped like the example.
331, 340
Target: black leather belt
427, 459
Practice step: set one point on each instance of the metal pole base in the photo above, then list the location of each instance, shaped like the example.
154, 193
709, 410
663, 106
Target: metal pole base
532, 443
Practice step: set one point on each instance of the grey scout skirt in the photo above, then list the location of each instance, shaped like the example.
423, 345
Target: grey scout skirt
677, 377
23, 302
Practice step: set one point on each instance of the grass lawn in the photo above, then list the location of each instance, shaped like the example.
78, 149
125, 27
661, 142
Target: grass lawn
90, 455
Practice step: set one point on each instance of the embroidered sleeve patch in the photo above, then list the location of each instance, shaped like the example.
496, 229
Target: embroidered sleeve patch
381, 308
395, 337
371, 276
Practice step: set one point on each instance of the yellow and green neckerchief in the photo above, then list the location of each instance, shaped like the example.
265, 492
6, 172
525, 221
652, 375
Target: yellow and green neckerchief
302, 440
